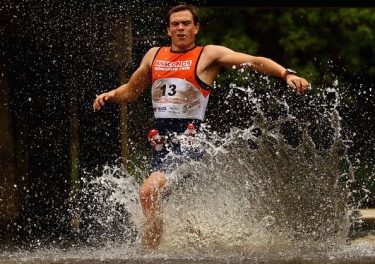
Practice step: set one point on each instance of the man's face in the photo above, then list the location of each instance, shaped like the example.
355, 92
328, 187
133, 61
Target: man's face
182, 30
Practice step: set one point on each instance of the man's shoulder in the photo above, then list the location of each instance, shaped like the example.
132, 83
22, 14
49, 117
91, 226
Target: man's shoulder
216, 48
210, 46
150, 54
154, 49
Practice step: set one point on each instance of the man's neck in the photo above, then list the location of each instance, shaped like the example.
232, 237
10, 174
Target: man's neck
180, 49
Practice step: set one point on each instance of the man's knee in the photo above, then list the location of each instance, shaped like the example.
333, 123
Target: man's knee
152, 185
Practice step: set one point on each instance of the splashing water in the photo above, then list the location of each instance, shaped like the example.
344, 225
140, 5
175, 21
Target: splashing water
273, 196
254, 196
253, 193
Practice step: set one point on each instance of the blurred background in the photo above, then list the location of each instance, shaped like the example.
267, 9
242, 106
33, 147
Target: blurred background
56, 56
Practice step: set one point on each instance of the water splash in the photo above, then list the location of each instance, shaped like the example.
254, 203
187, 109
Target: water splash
252, 193
254, 196
108, 208
255, 192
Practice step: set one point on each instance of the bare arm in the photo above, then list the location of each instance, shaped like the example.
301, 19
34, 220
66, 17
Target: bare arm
222, 56
131, 90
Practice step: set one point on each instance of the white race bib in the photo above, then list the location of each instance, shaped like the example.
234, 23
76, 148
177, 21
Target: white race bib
177, 98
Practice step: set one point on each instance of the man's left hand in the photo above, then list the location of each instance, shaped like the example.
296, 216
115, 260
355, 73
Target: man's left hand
297, 83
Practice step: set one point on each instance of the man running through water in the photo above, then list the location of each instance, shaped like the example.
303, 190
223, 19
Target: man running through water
181, 76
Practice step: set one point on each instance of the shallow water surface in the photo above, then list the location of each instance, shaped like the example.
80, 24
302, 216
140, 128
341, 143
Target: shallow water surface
360, 250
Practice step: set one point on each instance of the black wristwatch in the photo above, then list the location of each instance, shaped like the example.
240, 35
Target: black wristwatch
287, 72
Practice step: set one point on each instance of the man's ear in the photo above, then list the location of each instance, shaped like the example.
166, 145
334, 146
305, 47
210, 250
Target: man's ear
197, 27
169, 34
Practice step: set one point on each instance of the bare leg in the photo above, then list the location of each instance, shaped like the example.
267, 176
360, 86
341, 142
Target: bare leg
149, 194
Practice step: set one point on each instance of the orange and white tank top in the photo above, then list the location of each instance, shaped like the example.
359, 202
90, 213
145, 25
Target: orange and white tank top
177, 91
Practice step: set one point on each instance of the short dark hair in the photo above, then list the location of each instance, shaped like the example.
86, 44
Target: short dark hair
179, 8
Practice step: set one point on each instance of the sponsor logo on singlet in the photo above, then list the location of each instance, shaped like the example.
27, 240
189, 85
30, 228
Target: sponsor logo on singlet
162, 65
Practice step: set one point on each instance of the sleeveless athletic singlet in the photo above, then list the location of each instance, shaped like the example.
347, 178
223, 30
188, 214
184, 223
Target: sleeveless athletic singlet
177, 92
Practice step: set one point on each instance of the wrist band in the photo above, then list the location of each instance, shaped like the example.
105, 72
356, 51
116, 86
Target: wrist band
282, 73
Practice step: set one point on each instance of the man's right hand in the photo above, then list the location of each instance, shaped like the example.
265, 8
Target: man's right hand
101, 100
